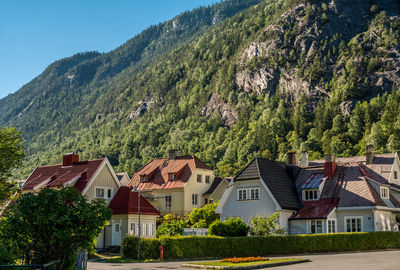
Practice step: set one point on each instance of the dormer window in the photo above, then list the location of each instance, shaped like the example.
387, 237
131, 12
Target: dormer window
143, 178
310, 195
385, 192
172, 176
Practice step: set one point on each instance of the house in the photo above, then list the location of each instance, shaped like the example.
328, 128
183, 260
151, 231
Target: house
216, 190
125, 217
262, 188
123, 178
175, 184
95, 179
353, 194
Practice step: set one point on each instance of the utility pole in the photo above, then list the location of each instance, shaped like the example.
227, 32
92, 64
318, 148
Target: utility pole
136, 189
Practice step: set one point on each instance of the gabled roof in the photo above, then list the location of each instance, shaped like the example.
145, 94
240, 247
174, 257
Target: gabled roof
126, 202
217, 181
159, 170
77, 175
320, 209
275, 177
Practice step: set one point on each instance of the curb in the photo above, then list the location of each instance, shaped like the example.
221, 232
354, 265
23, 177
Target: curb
198, 266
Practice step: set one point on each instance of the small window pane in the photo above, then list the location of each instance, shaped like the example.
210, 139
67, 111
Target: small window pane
199, 178
109, 193
99, 193
207, 179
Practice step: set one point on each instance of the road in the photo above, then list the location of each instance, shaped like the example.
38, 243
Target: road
377, 260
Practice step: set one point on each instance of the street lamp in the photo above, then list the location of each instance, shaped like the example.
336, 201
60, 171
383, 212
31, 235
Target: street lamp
136, 189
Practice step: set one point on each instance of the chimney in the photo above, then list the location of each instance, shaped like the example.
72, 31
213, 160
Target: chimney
304, 159
330, 166
291, 158
69, 159
369, 154
173, 153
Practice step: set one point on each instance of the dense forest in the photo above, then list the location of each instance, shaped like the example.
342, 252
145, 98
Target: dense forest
228, 83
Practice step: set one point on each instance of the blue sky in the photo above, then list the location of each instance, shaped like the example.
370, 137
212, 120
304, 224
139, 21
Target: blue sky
35, 33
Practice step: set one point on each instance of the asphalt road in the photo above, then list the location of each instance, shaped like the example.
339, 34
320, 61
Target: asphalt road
377, 260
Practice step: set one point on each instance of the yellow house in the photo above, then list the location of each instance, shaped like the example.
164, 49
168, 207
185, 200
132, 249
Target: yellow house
175, 184
93, 178
217, 189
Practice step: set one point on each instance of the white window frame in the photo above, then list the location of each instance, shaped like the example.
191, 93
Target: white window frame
105, 192
117, 225
313, 192
353, 217
195, 199
328, 227
133, 228
199, 177
385, 192
172, 176
315, 221
245, 194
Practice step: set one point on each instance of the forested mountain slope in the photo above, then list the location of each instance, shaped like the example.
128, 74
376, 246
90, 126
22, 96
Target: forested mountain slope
281, 75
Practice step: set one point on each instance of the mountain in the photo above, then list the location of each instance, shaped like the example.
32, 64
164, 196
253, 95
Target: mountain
228, 82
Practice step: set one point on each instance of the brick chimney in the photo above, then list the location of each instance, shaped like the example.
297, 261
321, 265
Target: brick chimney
369, 154
69, 159
291, 158
330, 166
172, 154
304, 159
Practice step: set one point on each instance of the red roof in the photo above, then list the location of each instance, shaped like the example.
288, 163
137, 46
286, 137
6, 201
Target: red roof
79, 174
316, 209
158, 172
126, 202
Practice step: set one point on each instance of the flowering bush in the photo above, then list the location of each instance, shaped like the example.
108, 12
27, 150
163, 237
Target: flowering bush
244, 260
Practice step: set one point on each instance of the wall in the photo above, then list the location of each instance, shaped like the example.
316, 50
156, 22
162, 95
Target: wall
103, 179
367, 224
299, 226
284, 216
193, 187
396, 167
157, 199
265, 206
385, 221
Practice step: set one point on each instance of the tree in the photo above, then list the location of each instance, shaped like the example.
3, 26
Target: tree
171, 228
264, 226
203, 217
52, 225
11, 156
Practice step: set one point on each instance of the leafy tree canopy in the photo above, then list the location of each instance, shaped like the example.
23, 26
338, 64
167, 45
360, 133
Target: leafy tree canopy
264, 226
203, 217
52, 225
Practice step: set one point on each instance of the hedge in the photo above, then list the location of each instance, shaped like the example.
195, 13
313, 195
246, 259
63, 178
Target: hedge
190, 247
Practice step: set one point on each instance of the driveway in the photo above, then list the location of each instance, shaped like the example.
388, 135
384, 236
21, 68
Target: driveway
377, 260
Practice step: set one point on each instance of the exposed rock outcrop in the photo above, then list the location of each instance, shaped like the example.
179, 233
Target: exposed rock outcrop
216, 105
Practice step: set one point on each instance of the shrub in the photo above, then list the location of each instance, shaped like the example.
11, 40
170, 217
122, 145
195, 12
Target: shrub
231, 227
190, 247
203, 217
171, 228
264, 226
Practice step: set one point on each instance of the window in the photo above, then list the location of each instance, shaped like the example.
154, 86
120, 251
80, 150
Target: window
353, 224
117, 227
211, 201
172, 176
395, 174
143, 178
133, 228
207, 179
168, 201
254, 194
385, 192
99, 193
199, 176
146, 229
194, 199
310, 195
331, 225
205, 201
316, 226
152, 228
248, 194
109, 191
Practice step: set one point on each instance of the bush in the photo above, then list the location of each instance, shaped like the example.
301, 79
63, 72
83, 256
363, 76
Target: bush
264, 226
5, 256
149, 247
223, 247
231, 227
171, 228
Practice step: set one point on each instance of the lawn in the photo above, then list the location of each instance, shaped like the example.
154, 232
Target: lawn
228, 264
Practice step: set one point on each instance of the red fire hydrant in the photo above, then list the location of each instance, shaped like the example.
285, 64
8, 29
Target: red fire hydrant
162, 252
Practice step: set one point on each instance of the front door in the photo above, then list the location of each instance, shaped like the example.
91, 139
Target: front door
116, 234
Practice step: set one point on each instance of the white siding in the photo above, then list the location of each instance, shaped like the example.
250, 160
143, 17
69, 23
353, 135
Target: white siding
367, 219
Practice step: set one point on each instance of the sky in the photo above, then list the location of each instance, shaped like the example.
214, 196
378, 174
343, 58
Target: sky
35, 33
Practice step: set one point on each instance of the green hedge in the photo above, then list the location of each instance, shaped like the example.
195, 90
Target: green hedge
190, 247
